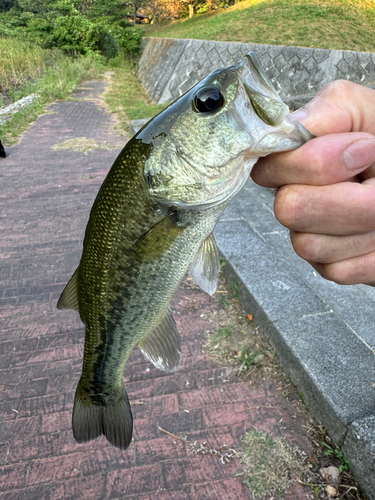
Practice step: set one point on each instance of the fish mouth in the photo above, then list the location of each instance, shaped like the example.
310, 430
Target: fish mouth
279, 130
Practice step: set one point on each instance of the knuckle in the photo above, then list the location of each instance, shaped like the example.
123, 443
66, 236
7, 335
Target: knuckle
337, 88
308, 246
338, 272
287, 206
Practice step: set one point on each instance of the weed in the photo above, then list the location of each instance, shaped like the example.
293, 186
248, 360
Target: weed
222, 333
127, 98
270, 464
235, 291
336, 453
247, 358
81, 145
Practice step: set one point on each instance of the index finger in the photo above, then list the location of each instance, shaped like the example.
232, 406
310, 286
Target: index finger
343, 110
341, 106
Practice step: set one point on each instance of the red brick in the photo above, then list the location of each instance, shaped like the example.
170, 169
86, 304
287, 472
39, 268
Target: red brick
54, 422
230, 489
168, 495
13, 476
104, 457
197, 469
215, 437
182, 422
83, 488
225, 414
45, 404
145, 428
55, 468
23, 428
200, 398
133, 481
232, 393
161, 449
37, 447
30, 388
65, 383
155, 407
34, 493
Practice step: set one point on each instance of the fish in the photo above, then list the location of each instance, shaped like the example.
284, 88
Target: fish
152, 221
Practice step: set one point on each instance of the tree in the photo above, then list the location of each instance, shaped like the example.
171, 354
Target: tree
6, 5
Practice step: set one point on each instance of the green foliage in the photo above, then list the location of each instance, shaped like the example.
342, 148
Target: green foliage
73, 26
126, 97
248, 358
338, 454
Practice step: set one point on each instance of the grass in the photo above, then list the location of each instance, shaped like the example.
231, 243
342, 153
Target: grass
20, 62
325, 24
55, 81
270, 464
127, 98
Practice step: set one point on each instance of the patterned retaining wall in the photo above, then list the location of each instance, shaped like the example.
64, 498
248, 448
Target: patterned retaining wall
169, 67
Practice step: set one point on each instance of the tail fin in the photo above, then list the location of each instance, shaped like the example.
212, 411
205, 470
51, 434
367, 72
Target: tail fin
114, 420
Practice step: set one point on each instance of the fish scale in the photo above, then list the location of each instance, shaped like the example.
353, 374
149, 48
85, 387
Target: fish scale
152, 220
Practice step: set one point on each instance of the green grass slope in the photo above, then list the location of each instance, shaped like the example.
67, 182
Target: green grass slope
325, 24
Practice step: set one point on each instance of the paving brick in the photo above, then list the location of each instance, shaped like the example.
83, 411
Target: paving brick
163, 449
230, 489
179, 494
54, 468
197, 469
36, 493
130, 482
200, 398
225, 414
145, 428
155, 407
183, 421
13, 476
37, 447
105, 458
87, 488
56, 422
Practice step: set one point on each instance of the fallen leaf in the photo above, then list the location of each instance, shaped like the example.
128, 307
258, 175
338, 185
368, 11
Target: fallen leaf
332, 492
330, 473
249, 317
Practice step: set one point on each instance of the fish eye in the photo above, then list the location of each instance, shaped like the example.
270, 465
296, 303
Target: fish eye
208, 99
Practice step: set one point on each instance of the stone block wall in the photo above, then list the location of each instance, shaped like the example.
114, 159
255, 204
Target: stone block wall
169, 67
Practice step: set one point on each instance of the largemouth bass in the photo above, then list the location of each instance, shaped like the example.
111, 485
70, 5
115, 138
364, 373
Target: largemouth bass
152, 220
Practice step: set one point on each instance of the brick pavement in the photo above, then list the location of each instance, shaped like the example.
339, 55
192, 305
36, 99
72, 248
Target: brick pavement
45, 198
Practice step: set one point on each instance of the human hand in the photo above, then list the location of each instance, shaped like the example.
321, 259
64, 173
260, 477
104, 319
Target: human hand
326, 194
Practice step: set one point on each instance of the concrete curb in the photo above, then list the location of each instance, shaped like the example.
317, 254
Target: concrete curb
328, 355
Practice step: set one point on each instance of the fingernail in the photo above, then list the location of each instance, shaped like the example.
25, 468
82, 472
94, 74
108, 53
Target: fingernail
300, 115
359, 154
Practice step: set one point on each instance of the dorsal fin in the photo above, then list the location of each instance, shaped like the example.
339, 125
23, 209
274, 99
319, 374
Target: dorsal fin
69, 297
162, 347
206, 265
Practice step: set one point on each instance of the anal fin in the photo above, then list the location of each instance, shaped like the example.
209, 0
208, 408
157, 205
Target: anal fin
162, 346
69, 297
206, 265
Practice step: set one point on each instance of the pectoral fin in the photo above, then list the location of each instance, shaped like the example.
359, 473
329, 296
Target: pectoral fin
69, 297
162, 347
206, 265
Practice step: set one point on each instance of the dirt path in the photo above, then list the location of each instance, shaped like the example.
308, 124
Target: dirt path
46, 194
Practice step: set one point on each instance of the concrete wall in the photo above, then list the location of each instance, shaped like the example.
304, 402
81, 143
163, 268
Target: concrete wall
169, 67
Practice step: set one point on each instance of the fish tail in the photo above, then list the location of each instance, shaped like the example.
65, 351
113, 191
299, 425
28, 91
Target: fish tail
92, 419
